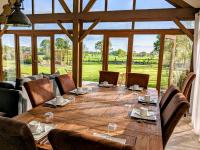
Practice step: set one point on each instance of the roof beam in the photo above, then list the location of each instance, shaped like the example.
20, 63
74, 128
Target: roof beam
89, 30
179, 3
184, 29
64, 30
89, 6
65, 7
3, 31
115, 16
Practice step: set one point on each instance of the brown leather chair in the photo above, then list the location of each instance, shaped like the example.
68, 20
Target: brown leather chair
65, 83
137, 78
166, 98
172, 114
15, 135
39, 91
187, 84
70, 140
109, 76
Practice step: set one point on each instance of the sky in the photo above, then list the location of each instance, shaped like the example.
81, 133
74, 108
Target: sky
141, 42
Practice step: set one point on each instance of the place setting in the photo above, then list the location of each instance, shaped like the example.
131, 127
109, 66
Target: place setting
105, 84
59, 101
81, 91
136, 88
144, 114
148, 99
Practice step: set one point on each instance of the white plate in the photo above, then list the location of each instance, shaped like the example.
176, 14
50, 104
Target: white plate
78, 93
106, 85
43, 130
153, 100
150, 116
53, 102
108, 137
139, 89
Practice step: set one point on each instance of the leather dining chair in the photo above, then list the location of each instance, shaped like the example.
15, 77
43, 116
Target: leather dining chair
15, 135
137, 78
70, 140
109, 76
172, 114
65, 83
39, 91
187, 84
166, 98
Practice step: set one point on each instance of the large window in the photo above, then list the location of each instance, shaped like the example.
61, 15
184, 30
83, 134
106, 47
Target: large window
25, 55
146, 55
63, 54
177, 60
44, 55
43, 6
120, 5
117, 58
92, 57
9, 62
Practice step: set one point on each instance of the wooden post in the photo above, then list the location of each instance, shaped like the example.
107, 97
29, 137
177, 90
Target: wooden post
105, 53
52, 54
1, 59
129, 54
160, 63
17, 56
76, 48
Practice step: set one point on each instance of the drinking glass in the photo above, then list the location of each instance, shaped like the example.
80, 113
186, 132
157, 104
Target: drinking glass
111, 127
49, 117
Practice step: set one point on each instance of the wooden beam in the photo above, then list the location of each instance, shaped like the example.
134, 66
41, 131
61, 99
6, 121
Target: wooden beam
184, 29
117, 16
65, 30
129, 54
105, 53
140, 15
76, 49
65, 7
89, 30
179, 3
160, 63
89, 6
1, 60
52, 54
3, 31
17, 56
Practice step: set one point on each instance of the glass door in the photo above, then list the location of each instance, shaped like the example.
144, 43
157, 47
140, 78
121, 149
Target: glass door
25, 48
117, 54
44, 54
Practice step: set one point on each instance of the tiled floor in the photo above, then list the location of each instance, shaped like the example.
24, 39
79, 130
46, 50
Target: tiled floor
183, 137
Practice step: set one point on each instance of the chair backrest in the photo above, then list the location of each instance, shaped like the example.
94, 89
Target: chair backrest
65, 83
109, 76
172, 114
137, 78
70, 140
166, 98
15, 135
187, 84
9, 100
39, 91
6, 85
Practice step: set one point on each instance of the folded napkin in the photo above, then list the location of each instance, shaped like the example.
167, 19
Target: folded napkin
108, 137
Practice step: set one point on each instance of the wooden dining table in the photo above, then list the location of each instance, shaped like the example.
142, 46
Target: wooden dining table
91, 113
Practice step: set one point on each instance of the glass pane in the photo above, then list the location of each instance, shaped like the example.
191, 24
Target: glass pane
120, 5
177, 60
188, 24
145, 56
69, 4
47, 26
110, 25
58, 7
44, 55
92, 57
43, 7
156, 25
152, 4
117, 58
99, 5
27, 6
25, 55
9, 63
63, 54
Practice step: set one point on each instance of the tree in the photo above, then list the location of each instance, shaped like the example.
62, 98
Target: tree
119, 53
45, 46
99, 46
156, 45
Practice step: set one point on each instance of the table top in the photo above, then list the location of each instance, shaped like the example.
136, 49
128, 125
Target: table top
91, 113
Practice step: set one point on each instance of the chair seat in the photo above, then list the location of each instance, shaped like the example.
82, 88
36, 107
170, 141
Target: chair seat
2, 114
